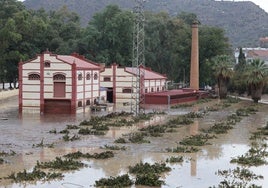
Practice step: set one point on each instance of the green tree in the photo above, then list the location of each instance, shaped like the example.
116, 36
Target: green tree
239, 83
9, 37
212, 43
222, 66
257, 78
108, 37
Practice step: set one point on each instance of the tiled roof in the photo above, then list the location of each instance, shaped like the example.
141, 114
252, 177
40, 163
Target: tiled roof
262, 54
264, 39
148, 73
80, 62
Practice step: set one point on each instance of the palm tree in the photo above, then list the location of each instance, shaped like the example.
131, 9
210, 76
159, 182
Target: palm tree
223, 71
257, 77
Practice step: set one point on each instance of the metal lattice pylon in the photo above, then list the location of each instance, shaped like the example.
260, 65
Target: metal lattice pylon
138, 62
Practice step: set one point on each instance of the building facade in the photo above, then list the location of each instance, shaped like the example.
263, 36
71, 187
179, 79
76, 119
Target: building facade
253, 53
118, 82
64, 84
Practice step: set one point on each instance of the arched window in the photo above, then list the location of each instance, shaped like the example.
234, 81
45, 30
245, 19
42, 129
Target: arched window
59, 77
80, 76
34, 76
79, 103
95, 76
47, 63
88, 76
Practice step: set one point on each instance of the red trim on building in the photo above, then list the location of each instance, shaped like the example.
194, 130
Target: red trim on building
114, 82
20, 87
74, 89
42, 101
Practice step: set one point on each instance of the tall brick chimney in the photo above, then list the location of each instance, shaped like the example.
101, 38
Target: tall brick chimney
194, 74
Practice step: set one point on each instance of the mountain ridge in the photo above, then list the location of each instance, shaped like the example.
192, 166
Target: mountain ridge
244, 22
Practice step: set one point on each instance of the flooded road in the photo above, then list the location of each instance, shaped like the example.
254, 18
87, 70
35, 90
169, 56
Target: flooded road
198, 170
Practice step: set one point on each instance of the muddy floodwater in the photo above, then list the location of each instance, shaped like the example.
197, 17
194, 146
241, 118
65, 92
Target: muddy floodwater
19, 134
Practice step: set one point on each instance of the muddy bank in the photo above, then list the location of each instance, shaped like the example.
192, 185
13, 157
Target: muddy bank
197, 170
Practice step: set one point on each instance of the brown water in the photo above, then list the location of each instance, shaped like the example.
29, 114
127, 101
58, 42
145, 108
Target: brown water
197, 171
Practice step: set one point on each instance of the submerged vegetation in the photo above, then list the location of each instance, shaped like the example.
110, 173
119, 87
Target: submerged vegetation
61, 164
144, 173
119, 181
238, 177
78, 154
35, 175
175, 159
113, 147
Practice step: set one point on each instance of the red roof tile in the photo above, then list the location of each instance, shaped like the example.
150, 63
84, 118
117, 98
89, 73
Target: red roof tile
258, 53
148, 73
80, 63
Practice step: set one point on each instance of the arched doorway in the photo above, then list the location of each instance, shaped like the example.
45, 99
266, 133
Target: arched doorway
59, 85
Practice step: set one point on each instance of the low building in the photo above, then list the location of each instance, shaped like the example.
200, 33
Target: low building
52, 83
118, 81
254, 53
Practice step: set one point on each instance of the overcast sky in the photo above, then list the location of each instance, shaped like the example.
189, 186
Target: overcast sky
262, 3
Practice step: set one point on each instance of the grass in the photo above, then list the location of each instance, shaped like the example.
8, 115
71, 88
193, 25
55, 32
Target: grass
119, 181
182, 149
146, 168
35, 175
219, 128
114, 147
120, 141
196, 140
149, 179
175, 159
238, 177
78, 154
137, 138
87, 131
67, 138
41, 145
60, 164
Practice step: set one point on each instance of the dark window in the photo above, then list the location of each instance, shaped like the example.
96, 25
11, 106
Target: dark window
88, 76
152, 89
157, 88
59, 77
107, 79
146, 90
80, 76
127, 90
88, 102
163, 88
79, 103
47, 63
34, 77
95, 76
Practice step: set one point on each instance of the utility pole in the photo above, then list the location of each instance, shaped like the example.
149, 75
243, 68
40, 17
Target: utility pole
138, 62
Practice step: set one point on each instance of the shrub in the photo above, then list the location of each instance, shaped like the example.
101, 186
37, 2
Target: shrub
119, 181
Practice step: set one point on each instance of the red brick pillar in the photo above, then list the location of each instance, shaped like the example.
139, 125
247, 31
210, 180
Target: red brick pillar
20, 86
114, 67
42, 99
74, 89
194, 74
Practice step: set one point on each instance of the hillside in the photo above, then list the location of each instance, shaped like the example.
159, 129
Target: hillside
244, 22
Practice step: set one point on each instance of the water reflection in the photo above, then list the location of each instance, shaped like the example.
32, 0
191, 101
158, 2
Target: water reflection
197, 170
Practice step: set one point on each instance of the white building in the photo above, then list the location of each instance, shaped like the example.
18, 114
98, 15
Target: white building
118, 81
52, 83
